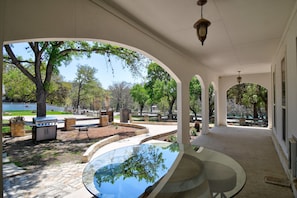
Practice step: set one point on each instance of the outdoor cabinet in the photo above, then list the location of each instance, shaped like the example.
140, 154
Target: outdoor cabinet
44, 133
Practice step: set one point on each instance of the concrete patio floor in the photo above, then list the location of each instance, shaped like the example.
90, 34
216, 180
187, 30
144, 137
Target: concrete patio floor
253, 149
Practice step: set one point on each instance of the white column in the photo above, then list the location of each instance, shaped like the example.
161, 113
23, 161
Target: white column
205, 109
222, 104
216, 107
183, 116
270, 106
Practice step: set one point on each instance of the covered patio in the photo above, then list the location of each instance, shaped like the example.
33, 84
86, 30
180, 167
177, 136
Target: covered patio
257, 38
253, 149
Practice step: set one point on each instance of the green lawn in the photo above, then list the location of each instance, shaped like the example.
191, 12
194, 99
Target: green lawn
6, 129
30, 113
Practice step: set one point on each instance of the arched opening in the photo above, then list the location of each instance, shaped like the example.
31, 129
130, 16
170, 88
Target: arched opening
247, 105
202, 104
101, 29
164, 86
195, 91
134, 64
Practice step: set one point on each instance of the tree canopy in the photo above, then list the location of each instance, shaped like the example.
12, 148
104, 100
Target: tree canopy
139, 95
49, 55
86, 87
195, 96
120, 95
251, 96
160, 86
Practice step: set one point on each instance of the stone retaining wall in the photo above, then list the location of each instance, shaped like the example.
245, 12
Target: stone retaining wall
93, 148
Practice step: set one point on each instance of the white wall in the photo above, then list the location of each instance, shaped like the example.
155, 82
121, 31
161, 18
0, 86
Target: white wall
287, 50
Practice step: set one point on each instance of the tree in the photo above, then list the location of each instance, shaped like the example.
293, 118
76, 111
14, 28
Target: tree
154, 72
251, 96
58, 91
211, 98
161, 85
51, 55
18, 88
120, 95
167, 89
255, 96
139, 95
84, 81
195, 96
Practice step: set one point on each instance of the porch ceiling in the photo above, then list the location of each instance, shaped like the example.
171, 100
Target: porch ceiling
244, 34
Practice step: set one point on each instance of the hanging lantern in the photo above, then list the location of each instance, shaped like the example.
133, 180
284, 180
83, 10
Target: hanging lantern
202, 24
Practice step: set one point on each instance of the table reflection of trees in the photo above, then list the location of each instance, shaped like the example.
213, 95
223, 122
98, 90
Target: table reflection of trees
144, 163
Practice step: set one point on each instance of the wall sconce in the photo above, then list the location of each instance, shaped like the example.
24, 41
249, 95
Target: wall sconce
202, 24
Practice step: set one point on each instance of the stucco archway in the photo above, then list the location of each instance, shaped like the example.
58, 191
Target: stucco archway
227, 82
99, 24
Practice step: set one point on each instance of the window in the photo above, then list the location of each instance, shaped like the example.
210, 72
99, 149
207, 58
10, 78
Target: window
274, 99
283, 89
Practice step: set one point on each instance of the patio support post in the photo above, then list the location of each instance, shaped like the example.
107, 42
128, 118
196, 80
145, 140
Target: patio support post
205, 111
216, 107
183, 116
222, 104
270, 107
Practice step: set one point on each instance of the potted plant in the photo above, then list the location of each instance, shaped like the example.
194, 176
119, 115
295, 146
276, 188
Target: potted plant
17, 126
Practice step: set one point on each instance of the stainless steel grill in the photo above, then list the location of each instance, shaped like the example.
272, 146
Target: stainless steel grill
44, 128
44, 121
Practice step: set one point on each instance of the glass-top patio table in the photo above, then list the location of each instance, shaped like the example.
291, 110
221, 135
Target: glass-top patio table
130, 171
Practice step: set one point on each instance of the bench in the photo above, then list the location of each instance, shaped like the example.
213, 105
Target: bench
84, 127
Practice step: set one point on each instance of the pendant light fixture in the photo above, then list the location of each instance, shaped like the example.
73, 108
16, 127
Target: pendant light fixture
202, 24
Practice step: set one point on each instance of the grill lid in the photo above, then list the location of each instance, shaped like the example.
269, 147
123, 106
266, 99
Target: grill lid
45, 121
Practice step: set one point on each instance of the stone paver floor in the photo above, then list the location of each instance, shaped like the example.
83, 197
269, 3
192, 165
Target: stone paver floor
57, 181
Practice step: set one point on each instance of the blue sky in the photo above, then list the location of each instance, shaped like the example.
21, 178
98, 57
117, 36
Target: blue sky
104, 72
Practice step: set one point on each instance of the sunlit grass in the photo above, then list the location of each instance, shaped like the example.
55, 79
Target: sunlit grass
31, 113
15, 113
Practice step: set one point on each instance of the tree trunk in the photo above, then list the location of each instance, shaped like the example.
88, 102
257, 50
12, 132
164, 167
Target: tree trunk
118, 106
170, 114
141, 109
41, 102
255, 110
194, 112
78, 95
